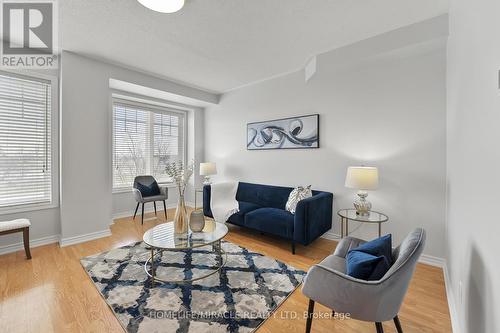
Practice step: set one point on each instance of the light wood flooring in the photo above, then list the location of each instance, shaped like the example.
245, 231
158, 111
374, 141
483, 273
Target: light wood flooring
52, 293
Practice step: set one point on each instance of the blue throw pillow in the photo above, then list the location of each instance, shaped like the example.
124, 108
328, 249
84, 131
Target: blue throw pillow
148, 191
371, 260
378, 247
365, 266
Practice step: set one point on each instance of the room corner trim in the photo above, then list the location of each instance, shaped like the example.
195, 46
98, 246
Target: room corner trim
452, 305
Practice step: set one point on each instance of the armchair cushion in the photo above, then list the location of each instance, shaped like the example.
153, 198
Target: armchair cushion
365, 266
148, 190
378, 247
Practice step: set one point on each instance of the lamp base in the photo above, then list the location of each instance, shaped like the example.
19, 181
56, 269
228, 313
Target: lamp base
207, 181
362, 205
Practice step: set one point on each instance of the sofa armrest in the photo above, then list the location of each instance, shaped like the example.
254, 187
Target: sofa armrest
207, 192
313, 217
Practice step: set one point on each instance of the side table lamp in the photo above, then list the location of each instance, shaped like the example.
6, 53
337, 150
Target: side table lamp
362, 179
207, 169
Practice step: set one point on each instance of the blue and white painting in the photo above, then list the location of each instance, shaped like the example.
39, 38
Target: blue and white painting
289, 133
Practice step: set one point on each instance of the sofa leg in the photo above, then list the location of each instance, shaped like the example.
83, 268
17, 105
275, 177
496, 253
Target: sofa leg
379, 327
310, 311
136, 208
398, 325
293, 247
142, 215
26, 240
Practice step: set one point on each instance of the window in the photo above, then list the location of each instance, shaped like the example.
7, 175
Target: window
145, 138
25, 141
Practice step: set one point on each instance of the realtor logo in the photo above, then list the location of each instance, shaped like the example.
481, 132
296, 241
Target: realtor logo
28, 34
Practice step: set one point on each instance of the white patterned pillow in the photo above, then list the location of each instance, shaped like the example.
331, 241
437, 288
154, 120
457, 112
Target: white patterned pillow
297, 194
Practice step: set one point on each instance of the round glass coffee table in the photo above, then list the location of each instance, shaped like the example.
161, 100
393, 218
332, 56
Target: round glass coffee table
347, 215
162, 238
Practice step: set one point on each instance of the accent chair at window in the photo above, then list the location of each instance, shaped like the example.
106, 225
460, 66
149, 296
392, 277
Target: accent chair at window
146, 189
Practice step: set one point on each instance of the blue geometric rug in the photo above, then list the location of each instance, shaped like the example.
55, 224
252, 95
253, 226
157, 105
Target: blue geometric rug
238, 298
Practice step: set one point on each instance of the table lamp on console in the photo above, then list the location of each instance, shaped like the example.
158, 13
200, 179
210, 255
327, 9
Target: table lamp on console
362, 179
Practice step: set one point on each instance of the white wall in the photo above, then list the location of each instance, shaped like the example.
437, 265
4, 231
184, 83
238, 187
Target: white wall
87, 203
473, 163
387, 111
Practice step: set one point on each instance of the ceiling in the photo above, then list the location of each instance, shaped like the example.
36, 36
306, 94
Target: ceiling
220, 45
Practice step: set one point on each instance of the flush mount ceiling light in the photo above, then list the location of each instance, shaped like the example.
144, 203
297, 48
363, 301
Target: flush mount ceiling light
163, 6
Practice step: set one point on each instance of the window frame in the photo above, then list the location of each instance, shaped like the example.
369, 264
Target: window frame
54, 142
147, 104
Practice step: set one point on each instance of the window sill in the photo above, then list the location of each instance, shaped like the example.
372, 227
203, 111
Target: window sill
27, 208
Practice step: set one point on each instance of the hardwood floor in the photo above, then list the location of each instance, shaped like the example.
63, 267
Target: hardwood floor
52, 293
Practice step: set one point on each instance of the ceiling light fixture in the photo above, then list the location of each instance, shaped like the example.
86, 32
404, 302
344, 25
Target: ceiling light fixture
163, 6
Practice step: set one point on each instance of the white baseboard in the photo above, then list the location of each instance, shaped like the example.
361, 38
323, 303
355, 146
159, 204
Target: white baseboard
331, 236
433, 261
84, 238
148, 210
33, 243
452, 305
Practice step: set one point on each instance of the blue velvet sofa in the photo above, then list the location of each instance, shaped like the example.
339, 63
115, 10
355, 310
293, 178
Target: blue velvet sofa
262, 207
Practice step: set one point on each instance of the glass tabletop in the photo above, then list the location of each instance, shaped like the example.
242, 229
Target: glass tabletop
374, 217
163, 237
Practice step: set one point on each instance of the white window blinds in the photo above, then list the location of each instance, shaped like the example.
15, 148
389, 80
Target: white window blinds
145, 138
25, 140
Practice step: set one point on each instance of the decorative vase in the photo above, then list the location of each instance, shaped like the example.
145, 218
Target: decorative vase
197, 220
180, 219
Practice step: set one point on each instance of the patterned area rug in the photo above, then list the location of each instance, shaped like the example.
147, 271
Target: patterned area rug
238, 298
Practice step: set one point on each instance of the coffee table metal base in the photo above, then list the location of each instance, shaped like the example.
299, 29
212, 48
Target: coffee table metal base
216, 247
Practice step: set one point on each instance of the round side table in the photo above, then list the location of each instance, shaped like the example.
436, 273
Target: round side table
347, 215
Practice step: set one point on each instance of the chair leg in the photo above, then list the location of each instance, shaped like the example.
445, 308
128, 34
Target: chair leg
136, 208
293, 247
398, 324
142, 215
165, 208
26, 239
379, 327
310, 311
154, 203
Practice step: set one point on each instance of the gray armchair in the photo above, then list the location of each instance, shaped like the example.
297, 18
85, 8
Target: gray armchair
376, 301
141, 197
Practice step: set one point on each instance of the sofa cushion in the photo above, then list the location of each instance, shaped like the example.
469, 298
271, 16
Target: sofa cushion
239, 217
263, 195
271, 220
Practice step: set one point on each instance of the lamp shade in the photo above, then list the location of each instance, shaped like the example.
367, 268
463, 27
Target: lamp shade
362, 178
207, 169
163, 6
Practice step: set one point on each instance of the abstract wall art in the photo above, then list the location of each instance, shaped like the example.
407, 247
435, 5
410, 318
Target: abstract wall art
288, 133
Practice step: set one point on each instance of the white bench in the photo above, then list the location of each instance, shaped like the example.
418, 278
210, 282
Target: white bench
19, 225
